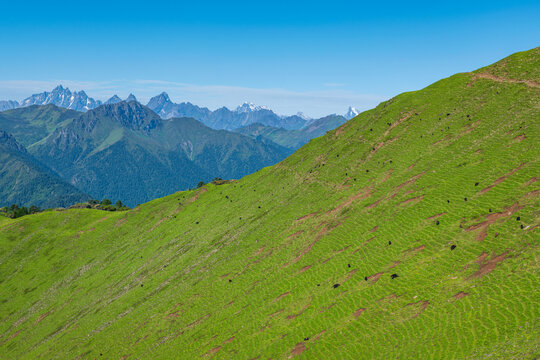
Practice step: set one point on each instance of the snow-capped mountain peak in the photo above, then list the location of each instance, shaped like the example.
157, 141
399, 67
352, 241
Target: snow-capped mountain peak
63, 97
302, 115
352, 112
249, 107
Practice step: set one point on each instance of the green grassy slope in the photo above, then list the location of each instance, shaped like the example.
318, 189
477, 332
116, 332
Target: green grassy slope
247, 270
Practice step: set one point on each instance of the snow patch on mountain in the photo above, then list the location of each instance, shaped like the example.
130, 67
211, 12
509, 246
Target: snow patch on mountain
249, 107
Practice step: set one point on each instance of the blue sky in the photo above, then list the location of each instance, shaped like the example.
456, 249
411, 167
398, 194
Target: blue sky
313, 56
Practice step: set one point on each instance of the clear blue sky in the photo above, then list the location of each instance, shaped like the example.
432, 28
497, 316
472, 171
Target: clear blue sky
312, 56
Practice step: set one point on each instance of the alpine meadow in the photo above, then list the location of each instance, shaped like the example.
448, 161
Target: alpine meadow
410, 231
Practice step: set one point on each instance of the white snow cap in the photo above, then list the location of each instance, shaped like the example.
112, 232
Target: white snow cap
352, 112
249, 107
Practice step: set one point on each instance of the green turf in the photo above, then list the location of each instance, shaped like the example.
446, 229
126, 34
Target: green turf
233, 271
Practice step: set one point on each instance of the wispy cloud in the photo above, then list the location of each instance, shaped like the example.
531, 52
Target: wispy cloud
284, 101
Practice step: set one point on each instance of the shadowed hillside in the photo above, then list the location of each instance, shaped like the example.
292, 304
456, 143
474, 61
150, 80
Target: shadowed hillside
437, 187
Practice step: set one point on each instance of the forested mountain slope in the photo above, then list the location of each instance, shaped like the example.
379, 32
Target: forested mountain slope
25, 181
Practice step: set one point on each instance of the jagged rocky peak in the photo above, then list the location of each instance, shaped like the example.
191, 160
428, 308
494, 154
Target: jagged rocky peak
157, 102
63, 97
113, 100
131, 97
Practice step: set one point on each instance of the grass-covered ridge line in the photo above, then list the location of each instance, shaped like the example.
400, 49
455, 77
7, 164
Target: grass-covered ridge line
247, 269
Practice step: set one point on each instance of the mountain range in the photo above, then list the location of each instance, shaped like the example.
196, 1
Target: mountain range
126, 151
409, 232
222, 118
64, 98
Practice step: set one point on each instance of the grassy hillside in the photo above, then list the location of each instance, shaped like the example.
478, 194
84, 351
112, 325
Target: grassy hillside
250, 269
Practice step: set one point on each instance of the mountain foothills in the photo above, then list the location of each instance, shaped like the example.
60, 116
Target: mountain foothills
409, 232
25, 180
124, 150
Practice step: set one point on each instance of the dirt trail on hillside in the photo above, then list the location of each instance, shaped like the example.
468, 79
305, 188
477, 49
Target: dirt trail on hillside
492, 219
414, 199
362, 195
501, 179
422, 307
359, 312
408, 182
305, 217
298, 349
460, 295
279, 297
375, 277
319, 235
405, 117
487, 266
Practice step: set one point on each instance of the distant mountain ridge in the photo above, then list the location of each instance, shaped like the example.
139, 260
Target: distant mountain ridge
8, 104
221, 118
224, 118
293, 139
